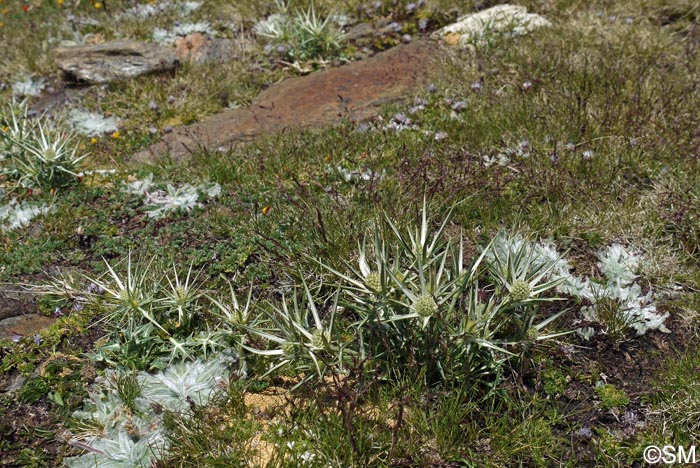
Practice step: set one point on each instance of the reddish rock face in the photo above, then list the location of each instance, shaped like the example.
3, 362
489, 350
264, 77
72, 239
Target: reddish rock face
354, 92
189, 48
200, 48
23, 325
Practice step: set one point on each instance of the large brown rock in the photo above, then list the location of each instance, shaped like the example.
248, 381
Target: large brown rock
354, 91
23, 325
113, 61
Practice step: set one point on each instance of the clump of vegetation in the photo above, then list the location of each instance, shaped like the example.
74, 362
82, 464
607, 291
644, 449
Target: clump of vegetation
34, 153
154, 316
303, 35
611, 397
418, 310
122, 421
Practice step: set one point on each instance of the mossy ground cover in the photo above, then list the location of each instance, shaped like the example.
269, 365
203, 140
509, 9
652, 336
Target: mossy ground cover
585, 133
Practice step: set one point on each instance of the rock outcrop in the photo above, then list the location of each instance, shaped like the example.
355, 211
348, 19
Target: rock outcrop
510, 20
354, 92
113, 61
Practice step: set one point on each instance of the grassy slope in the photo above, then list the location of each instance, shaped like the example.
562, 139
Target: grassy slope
627, 92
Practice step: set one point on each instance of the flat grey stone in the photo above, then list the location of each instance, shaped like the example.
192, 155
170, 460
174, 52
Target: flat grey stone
113, 61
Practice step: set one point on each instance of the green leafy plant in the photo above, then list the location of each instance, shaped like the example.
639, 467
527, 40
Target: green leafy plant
611, 396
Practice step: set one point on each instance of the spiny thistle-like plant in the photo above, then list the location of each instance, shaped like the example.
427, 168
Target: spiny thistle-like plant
154, 316
128, 299
16, 126
299, 337
519, 266
236, 316
413, 305
35, 154
303, 36
523, 274
317, 37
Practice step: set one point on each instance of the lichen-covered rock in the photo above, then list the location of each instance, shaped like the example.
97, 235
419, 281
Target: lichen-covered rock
510, 20
113, 61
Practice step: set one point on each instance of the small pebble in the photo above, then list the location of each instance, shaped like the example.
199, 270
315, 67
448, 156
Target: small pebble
459, 106
400, 118
406, 38
585, 433
95, 289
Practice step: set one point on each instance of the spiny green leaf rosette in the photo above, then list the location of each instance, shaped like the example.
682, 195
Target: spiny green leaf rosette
34, 153
523, 277
297, 337
154, 316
